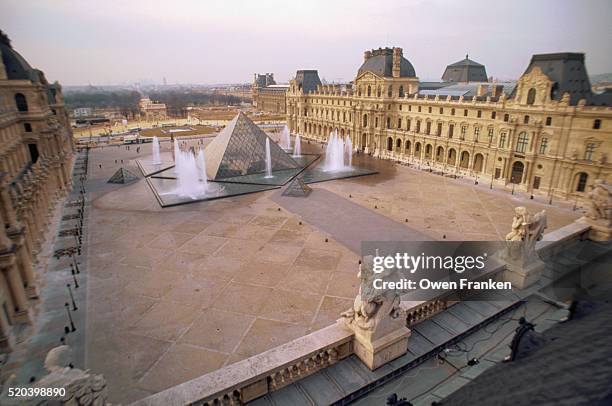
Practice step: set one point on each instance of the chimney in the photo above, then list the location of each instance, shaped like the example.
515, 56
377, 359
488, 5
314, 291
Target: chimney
496, 90
367, 55
482, 89
397, 58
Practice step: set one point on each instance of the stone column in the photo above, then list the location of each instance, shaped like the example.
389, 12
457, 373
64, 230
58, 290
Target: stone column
8, 268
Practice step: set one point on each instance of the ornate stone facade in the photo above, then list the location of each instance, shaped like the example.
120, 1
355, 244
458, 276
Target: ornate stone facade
547, 135
267, 95
36, 152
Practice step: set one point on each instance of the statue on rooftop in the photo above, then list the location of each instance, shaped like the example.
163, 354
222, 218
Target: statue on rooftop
601, 201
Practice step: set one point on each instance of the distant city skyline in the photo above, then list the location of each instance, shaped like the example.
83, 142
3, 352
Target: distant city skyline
212, 42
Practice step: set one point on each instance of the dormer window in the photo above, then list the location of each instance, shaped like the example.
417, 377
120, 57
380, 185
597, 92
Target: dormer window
531, 94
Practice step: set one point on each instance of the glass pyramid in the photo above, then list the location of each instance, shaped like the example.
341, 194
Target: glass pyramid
240, 149
123, 176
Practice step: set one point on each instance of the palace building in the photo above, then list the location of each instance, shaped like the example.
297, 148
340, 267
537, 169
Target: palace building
35, 164
267, 95
546, 133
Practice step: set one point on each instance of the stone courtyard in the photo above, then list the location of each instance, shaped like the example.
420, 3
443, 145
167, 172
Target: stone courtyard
178, 292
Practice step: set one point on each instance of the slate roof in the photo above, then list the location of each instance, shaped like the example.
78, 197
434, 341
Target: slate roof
17, 68
381, 64
572, 368
568, 71
308, 80
465, 70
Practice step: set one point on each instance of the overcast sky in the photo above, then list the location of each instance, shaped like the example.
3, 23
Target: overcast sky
205, 41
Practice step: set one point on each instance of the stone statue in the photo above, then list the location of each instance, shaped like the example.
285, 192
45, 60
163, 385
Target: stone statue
378, 323
519, 224
371, 305
82, 387
601, 202
522, 260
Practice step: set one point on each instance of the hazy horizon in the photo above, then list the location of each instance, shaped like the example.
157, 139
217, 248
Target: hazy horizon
112, 43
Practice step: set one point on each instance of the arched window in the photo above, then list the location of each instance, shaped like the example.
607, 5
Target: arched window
478, 163
401, 91
398, 144
389, 144
407, 145
531, 94
521, 143
582, 181
21, 102
465, 159
428, 151
369, 90
543, 145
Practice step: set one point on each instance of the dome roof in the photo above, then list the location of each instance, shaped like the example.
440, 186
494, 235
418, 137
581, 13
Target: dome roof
380, 62
17, 68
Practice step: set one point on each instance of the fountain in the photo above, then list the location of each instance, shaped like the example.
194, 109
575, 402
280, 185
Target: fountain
202, 169
268, 160
335, 153
156, 158
297, 148
285, 141
190, 175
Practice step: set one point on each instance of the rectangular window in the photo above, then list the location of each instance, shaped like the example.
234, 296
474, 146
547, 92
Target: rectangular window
490, 135
506, 117
596, 124
493, 114
399, 123
543, 145
536, 182
463, 131
588, 152
439, 129
429, 110
548, 120
502, 140
479, 114
408, 122
441, 110
497, 173
476, 133
428, 131
451, 129
465, 112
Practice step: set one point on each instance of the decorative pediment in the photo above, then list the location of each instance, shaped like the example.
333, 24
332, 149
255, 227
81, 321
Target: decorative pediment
367, 77
533, 88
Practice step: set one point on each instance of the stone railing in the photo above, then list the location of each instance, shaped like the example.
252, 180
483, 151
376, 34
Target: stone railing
418, 311
253, 377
